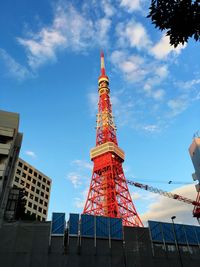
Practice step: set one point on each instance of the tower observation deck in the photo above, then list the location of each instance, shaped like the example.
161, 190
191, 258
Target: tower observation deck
108, 193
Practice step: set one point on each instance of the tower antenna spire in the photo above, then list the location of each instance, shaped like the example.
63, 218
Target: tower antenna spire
103, 71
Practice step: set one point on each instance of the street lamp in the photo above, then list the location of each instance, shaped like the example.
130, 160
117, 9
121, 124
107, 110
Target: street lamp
176, 240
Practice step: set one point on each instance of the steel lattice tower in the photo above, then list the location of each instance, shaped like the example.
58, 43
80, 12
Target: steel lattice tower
108, 193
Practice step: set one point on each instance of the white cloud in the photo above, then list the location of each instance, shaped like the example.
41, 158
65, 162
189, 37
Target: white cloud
75, 179
14, 68
80, 201
164, 208
151, 128
108, 9
102, 28
135, 196
82, 164
162, 49
30, 153
131, 5
133, 34
177, 105
68, 29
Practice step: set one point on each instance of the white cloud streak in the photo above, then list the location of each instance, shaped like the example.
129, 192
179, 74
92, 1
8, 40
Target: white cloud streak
163, 49
30, 154
13, 67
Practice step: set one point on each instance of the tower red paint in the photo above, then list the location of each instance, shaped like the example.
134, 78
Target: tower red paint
108, 193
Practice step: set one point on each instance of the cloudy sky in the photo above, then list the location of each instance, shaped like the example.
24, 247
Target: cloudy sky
49, 66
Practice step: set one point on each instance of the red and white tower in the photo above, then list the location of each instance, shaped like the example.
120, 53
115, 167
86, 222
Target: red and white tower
108, 193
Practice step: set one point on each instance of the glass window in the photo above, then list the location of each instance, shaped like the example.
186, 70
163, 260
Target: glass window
36, 199
18, 171
47, 189
45, 212
35, 174
48, 182
34, 181
40, 177
43, 187
30, 171
37, 191
44, 180
40, 209
46, 196
42, 194
38, 184
35, 207
27, 185
16, 179
33, 188
29, 204
24, 175
31, 196
41, 201
29, 178
25, 168
19, 164
45, 203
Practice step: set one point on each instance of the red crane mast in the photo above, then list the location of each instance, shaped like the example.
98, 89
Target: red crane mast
108, 193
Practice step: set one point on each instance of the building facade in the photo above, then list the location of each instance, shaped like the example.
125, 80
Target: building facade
37, 189
10, 144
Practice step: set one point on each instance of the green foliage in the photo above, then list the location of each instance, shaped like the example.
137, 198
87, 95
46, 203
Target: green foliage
181, 19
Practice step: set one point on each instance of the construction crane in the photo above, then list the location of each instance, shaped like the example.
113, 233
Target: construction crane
196, 204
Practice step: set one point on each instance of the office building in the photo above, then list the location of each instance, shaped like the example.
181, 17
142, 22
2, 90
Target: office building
10, 144
37, 189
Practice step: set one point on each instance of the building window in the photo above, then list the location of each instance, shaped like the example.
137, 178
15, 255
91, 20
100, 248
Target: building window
47, 189
35, 174
39, 218
43, 219
18, 171
34, 181
45, 203
44, 180
16, 179
29, 204
41, 201
40, 209
19, 164
25, 168
46, 196
48, 182
30, 171
31, 196
29, 178
22, 183
33, 188
24, 175
43, 187
42, 194
45, 212
40, 177
36, 199
37, 191
38, 184
27, 185
26, 193
35, 207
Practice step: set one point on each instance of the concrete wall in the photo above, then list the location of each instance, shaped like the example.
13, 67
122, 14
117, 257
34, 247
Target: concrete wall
28, 244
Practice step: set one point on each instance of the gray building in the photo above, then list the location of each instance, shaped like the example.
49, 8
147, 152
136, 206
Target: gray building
37, 188
10, 144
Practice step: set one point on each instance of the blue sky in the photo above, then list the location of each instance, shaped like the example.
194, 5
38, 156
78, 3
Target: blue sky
49, 66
